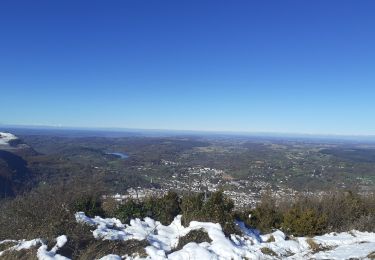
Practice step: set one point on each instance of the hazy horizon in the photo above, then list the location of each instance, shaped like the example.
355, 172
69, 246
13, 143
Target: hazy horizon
264, 134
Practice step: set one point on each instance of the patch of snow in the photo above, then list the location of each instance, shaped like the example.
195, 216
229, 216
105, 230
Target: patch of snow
253, 233
163, 239
60, 242
193, 251
352, 251
21, 244
43, 253
111, 257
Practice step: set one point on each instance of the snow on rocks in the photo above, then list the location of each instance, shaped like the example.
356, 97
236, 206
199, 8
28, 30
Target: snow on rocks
249, 245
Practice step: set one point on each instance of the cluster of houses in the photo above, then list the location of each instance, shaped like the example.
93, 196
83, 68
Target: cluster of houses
244, 193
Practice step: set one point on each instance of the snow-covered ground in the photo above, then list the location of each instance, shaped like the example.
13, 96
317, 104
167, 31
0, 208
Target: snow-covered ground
250, 245
5, 138
43, 253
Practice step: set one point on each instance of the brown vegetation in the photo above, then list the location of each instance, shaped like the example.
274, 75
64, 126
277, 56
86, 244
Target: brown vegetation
197, 236
24, 254
308, 216
48, 211
268, 251
99, 248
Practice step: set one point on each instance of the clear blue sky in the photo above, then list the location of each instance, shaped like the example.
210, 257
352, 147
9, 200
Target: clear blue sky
270, 66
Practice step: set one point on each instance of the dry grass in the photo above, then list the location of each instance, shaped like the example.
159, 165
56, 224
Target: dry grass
197, 236
47, 212
110, 205
315, 247
371, 255
271, 239
100, 248
29, 254
6, 245
268, 251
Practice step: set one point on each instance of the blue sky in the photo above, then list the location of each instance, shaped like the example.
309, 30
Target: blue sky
258, 66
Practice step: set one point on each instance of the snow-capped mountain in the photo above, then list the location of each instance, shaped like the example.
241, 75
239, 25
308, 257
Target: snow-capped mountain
12, 143
7, 139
